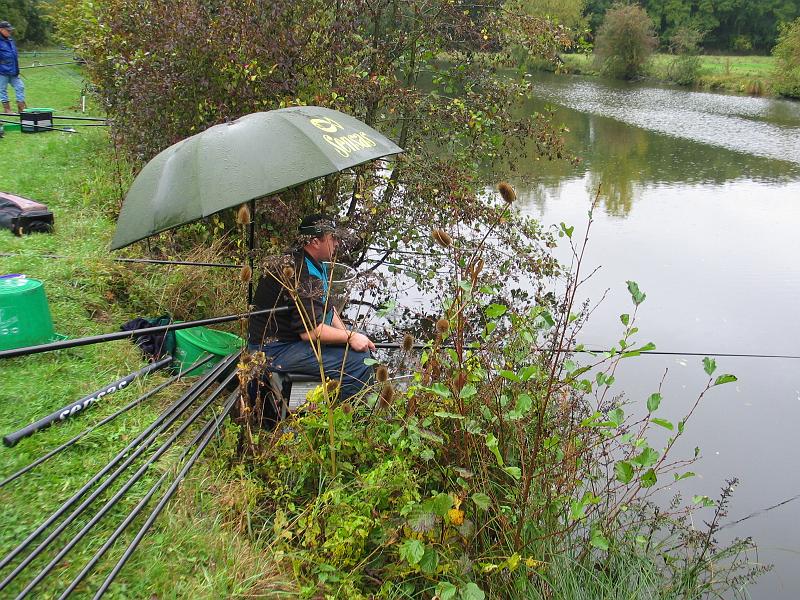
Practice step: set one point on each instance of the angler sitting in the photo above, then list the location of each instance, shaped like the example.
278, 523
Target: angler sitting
310, 333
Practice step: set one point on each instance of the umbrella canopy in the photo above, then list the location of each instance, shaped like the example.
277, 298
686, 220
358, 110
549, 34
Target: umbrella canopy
257, 155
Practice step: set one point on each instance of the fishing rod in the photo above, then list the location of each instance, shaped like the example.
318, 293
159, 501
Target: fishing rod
200, 362
138, 444
418, 346
45, 127
111, 502
72, 62
95, 119
163, 502
109, 337
68, 411
209, 429
154, 261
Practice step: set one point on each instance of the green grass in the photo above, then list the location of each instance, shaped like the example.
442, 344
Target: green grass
740, 74
195, 549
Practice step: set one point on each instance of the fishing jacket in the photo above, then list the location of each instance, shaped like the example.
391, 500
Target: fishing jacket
9, 59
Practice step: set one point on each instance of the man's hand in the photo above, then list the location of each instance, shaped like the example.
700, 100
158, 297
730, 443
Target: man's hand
359, 342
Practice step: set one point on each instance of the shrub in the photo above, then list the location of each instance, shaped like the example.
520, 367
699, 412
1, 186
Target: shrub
787, 65
625, 41
685, 45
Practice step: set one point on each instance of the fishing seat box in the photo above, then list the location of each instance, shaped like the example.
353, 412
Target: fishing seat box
36, 120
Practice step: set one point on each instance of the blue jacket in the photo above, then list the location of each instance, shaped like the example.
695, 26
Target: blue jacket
9, 59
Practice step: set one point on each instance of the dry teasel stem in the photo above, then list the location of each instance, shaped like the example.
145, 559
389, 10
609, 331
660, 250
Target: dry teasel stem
507, 192
243, 216
442, 325
382, 374
408, 342
246, 274
442, 238
387, 395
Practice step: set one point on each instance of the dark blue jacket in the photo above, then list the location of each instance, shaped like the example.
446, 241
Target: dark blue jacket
9, 59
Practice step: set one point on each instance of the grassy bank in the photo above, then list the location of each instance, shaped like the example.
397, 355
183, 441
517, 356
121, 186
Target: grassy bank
194, 550
738, 74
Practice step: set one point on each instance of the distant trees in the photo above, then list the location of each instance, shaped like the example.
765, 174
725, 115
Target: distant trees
28, 18
787, 65
625, 41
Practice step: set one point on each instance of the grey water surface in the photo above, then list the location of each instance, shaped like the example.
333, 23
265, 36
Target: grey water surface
699, 203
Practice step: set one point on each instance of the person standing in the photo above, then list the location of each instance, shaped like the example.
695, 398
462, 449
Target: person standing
9, 69
292, 338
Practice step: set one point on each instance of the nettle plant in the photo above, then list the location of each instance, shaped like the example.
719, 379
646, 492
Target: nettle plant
504, 467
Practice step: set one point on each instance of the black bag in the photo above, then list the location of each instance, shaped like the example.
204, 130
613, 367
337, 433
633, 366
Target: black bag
23, 215
153, 345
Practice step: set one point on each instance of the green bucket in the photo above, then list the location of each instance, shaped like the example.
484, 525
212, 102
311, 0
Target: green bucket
193, 344
24, 313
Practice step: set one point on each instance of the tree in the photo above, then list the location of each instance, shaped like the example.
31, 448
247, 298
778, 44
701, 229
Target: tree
787, 66
28, 18
625, 41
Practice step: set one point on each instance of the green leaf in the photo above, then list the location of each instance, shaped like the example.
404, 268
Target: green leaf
481, 500
446, 590
709, 365
598, 540
440, 389
430, 561
703, 500
636, 295
683, 475
524, 403
624, 471
370, 361
495, 310
510, 375
412, 551
492, 444
648, 479
653, 402
647, 347
448, 415
664, 423
727, 378
626, 318
439, 504
616, 416
468, 391
567, 231
514, 472
472, 592
647, 458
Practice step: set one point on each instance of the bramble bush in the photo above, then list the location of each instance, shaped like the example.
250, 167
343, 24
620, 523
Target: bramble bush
504, 468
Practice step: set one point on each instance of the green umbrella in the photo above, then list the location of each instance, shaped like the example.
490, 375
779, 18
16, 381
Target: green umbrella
257, 155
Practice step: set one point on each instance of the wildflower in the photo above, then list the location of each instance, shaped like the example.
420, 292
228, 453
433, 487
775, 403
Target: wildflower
456, 516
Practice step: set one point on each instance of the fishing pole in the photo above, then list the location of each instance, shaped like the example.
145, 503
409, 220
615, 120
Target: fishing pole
109, 337
154, 261
140, 444
77, 406
72, 62
212, 425
418, 346
161, 504
132, 480
200, 362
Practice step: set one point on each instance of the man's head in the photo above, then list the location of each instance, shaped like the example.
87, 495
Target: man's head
318, 232
5, 29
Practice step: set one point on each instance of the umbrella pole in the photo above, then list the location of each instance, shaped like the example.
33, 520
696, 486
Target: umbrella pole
251, 244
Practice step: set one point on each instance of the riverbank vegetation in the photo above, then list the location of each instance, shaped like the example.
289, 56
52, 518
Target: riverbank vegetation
506, 466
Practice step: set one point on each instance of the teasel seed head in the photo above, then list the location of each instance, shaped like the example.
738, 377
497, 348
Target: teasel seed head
243, 215
382, 374
246, 274
288, 273
408, 342
442, 238
507, 192
387, 395
331, 386
442, 326
347, 408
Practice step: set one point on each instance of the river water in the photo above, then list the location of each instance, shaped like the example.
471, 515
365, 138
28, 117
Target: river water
699, 204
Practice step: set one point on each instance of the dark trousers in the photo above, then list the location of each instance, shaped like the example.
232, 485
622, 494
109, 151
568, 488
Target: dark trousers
298, 357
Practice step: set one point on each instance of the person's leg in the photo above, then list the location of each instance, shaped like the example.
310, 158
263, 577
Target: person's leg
19, 91
4, 81
298, 357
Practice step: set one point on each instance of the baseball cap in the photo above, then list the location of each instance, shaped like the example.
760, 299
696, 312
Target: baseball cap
317, 224
5, 25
